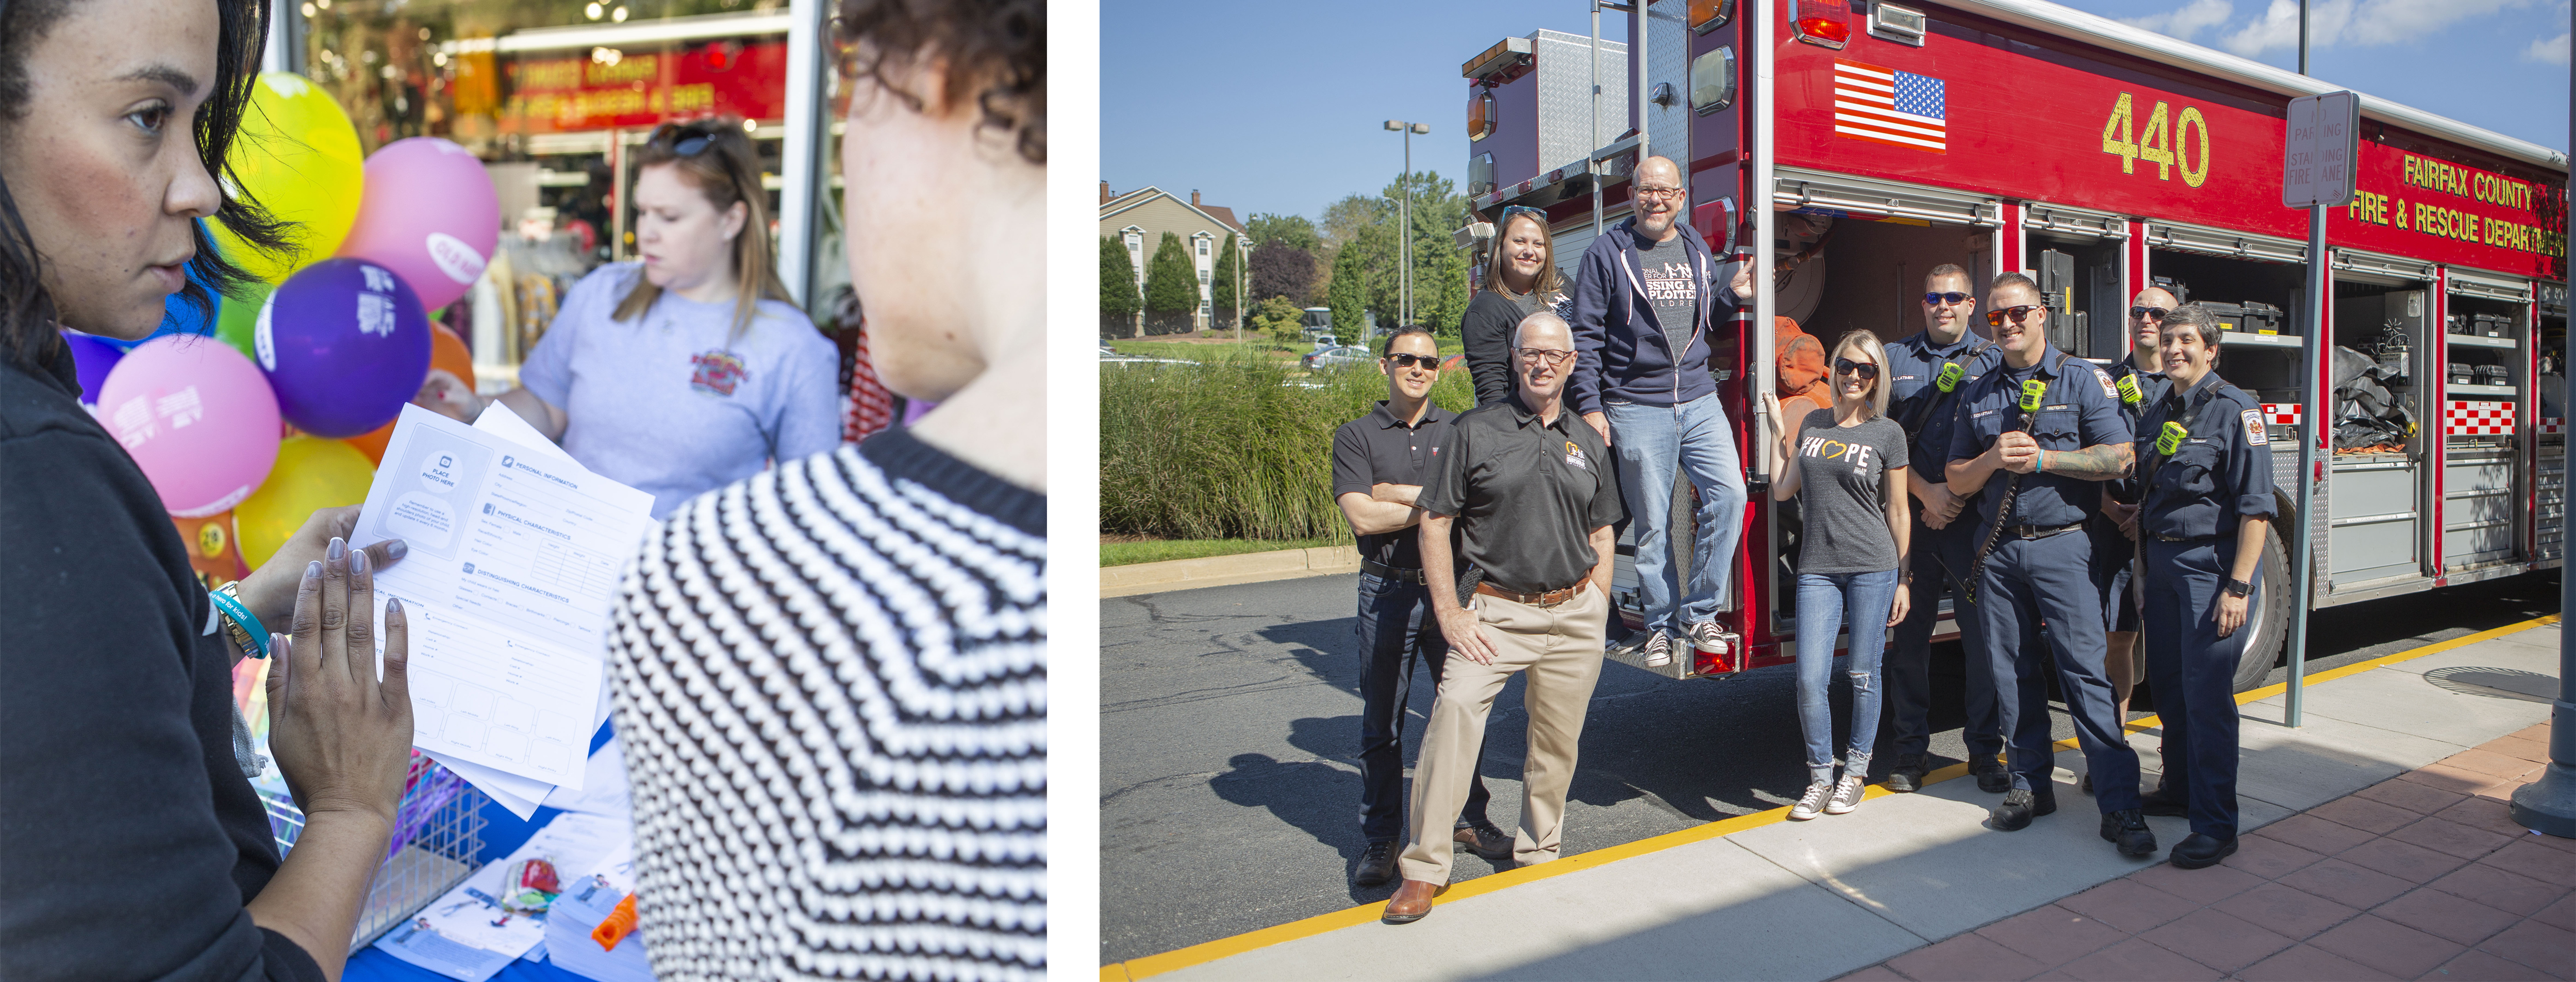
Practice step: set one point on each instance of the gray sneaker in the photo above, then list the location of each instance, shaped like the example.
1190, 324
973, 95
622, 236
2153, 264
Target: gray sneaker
1847, 794
1812, 803
1658, 648
1706, 636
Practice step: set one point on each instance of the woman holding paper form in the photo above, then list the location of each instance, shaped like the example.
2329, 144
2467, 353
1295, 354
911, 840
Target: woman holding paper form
135, 846
831, 678
688, 370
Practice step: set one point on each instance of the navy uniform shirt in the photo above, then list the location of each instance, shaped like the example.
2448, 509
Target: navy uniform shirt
2219, 473
1526, 494
2080, 410
1917, 403
1380, 449
2137, 389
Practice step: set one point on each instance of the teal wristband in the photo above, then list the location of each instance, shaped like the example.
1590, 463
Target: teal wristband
242, 618
2039, 463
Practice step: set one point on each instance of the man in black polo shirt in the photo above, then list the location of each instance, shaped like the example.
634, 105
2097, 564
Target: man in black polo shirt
1380, 462
1531, 492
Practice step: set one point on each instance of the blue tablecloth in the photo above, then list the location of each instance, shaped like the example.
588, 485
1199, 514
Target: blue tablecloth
502, 832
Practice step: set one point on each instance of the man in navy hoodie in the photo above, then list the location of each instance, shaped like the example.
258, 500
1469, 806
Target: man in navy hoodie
1646, 308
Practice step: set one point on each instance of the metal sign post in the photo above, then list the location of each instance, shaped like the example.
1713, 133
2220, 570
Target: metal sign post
2316, 174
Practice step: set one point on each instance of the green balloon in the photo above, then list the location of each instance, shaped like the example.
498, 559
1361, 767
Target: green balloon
237, 323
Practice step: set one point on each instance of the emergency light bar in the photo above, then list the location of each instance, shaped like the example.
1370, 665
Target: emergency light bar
1504, 57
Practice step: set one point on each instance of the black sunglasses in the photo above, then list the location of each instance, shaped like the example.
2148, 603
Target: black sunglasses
1949, 298
1844, 366
2148, 313
1409, 361
692, 139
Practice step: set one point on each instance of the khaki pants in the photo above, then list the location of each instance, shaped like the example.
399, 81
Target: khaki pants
1560, 647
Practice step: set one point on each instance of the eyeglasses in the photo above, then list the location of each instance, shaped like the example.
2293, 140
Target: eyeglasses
1511, 211
1532, 356
2148, 313
1410, 361
1665, 194
1844, 366
692, 139
1996, 318
1937, 299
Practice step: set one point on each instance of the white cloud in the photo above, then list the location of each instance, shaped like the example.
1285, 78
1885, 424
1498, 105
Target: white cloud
2278, 27
2548, 50
2187, 20
2365, 23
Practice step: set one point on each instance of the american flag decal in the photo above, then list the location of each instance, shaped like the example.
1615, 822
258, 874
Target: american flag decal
1889, 106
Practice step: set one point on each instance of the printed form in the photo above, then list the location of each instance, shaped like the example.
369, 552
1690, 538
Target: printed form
511, 574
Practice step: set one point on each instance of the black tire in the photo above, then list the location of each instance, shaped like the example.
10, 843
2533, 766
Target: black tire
2269, 620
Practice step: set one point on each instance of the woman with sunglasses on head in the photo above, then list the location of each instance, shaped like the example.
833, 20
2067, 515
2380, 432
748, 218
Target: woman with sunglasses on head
131, 842
691, 368
1520, 279
831, 677
1851, 546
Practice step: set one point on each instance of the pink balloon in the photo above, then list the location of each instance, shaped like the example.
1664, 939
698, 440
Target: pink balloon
197, 417
429, 214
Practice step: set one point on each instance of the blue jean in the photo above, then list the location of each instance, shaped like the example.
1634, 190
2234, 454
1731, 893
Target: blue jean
1941, 559
2027, 582
1823, 598
1396, 631
1652, 444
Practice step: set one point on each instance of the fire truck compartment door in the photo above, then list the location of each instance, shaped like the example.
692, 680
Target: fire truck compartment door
1572, 238
1795, 188
2467, 284
2041, 216
2221, 242
2381, 268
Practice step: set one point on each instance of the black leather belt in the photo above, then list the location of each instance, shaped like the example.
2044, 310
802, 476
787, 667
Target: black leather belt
2039, 531
1374, 568
2161, 537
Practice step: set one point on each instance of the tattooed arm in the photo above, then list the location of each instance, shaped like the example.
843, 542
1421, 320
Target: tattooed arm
2101, 462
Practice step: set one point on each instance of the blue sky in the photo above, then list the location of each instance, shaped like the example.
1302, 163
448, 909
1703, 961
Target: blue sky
1279, 107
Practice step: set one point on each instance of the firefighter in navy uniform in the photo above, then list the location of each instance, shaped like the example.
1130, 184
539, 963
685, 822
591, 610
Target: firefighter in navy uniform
1925, 389
2139, 380
2044, 428
2207, 470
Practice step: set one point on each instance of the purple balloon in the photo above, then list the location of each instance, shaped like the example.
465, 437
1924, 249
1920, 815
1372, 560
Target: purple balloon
91, 358
345, 344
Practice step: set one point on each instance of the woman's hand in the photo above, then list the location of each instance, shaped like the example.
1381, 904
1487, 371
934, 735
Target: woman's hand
270, 589
2230, 613
445, 394
1904, 603
342, 738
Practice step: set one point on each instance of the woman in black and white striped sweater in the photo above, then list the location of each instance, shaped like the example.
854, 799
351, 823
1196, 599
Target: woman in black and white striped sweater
831, 678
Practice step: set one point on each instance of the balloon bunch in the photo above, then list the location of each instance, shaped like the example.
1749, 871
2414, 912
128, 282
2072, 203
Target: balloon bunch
292, 411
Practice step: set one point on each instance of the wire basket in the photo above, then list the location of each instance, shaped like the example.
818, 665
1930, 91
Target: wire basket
438, 832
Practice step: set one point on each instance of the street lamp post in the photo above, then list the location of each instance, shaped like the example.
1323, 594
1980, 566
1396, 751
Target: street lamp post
1404, 239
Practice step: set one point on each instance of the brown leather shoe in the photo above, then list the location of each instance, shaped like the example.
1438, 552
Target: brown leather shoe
1412, 900
1492, 844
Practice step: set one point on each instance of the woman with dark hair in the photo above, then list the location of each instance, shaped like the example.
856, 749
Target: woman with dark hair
832, 677
1520, 279
691, 368
131, 843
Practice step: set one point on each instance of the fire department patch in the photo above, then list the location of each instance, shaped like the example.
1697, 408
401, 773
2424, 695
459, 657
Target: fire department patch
717, 372
2254, 427
2109, 391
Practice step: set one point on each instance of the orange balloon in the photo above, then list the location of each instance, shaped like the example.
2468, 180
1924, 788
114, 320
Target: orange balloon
373, 444
447, 352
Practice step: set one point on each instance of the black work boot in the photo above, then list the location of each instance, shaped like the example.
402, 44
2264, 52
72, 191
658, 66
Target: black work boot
1907, 775
2163, 803
1377, 865
2020, 806
2197, 850
1991, 776
2127, 829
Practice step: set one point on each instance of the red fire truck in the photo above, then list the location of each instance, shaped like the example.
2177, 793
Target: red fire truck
1851, 145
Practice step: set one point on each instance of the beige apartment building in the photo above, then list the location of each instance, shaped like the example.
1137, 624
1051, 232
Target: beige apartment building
1139, 218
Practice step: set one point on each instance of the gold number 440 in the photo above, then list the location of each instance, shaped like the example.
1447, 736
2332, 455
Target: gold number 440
2165, 143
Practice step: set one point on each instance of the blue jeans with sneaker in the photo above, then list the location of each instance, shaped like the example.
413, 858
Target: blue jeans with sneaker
1823, 601
1653, 443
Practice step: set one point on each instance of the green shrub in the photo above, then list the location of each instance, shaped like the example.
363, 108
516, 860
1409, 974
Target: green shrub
1118, 296
1232, 449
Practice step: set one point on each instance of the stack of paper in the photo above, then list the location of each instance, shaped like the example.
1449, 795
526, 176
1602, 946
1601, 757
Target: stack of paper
586, 902
514, 555
465, 935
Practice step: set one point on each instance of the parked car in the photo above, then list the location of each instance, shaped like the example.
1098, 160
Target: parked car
1110, 356
1345, 356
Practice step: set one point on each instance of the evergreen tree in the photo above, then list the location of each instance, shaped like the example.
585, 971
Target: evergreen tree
1221, 288
1118, 296
1171, 288
1356, 278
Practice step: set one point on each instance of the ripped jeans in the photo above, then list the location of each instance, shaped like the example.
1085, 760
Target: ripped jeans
1823, 600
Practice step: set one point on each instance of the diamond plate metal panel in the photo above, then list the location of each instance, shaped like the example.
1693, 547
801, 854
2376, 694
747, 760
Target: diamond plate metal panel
1565, 96
1668, 64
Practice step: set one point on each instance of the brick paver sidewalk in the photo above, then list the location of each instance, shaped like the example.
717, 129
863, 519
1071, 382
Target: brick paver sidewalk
2419, 876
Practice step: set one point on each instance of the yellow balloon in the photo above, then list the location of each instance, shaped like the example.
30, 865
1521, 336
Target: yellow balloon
312, 473
298, 156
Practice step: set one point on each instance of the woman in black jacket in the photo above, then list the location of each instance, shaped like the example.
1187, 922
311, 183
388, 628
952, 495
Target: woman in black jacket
131, 843
1520, 280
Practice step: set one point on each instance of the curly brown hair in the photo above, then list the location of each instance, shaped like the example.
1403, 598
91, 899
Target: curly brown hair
993, 48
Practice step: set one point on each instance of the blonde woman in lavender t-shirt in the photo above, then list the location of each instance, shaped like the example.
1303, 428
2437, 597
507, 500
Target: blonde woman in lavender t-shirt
1846, 465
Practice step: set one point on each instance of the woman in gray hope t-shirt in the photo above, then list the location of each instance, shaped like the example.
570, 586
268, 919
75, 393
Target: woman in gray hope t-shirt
1851, 460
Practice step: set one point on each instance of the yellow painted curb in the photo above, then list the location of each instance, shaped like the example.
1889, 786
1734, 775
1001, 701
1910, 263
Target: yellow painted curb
1172, 961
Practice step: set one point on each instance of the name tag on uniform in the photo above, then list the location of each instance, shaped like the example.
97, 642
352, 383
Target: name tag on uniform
1574, 456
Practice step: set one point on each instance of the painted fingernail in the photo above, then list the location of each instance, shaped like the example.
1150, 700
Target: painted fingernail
393, 605
313, 569
358, 561
396, 549
337, 550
